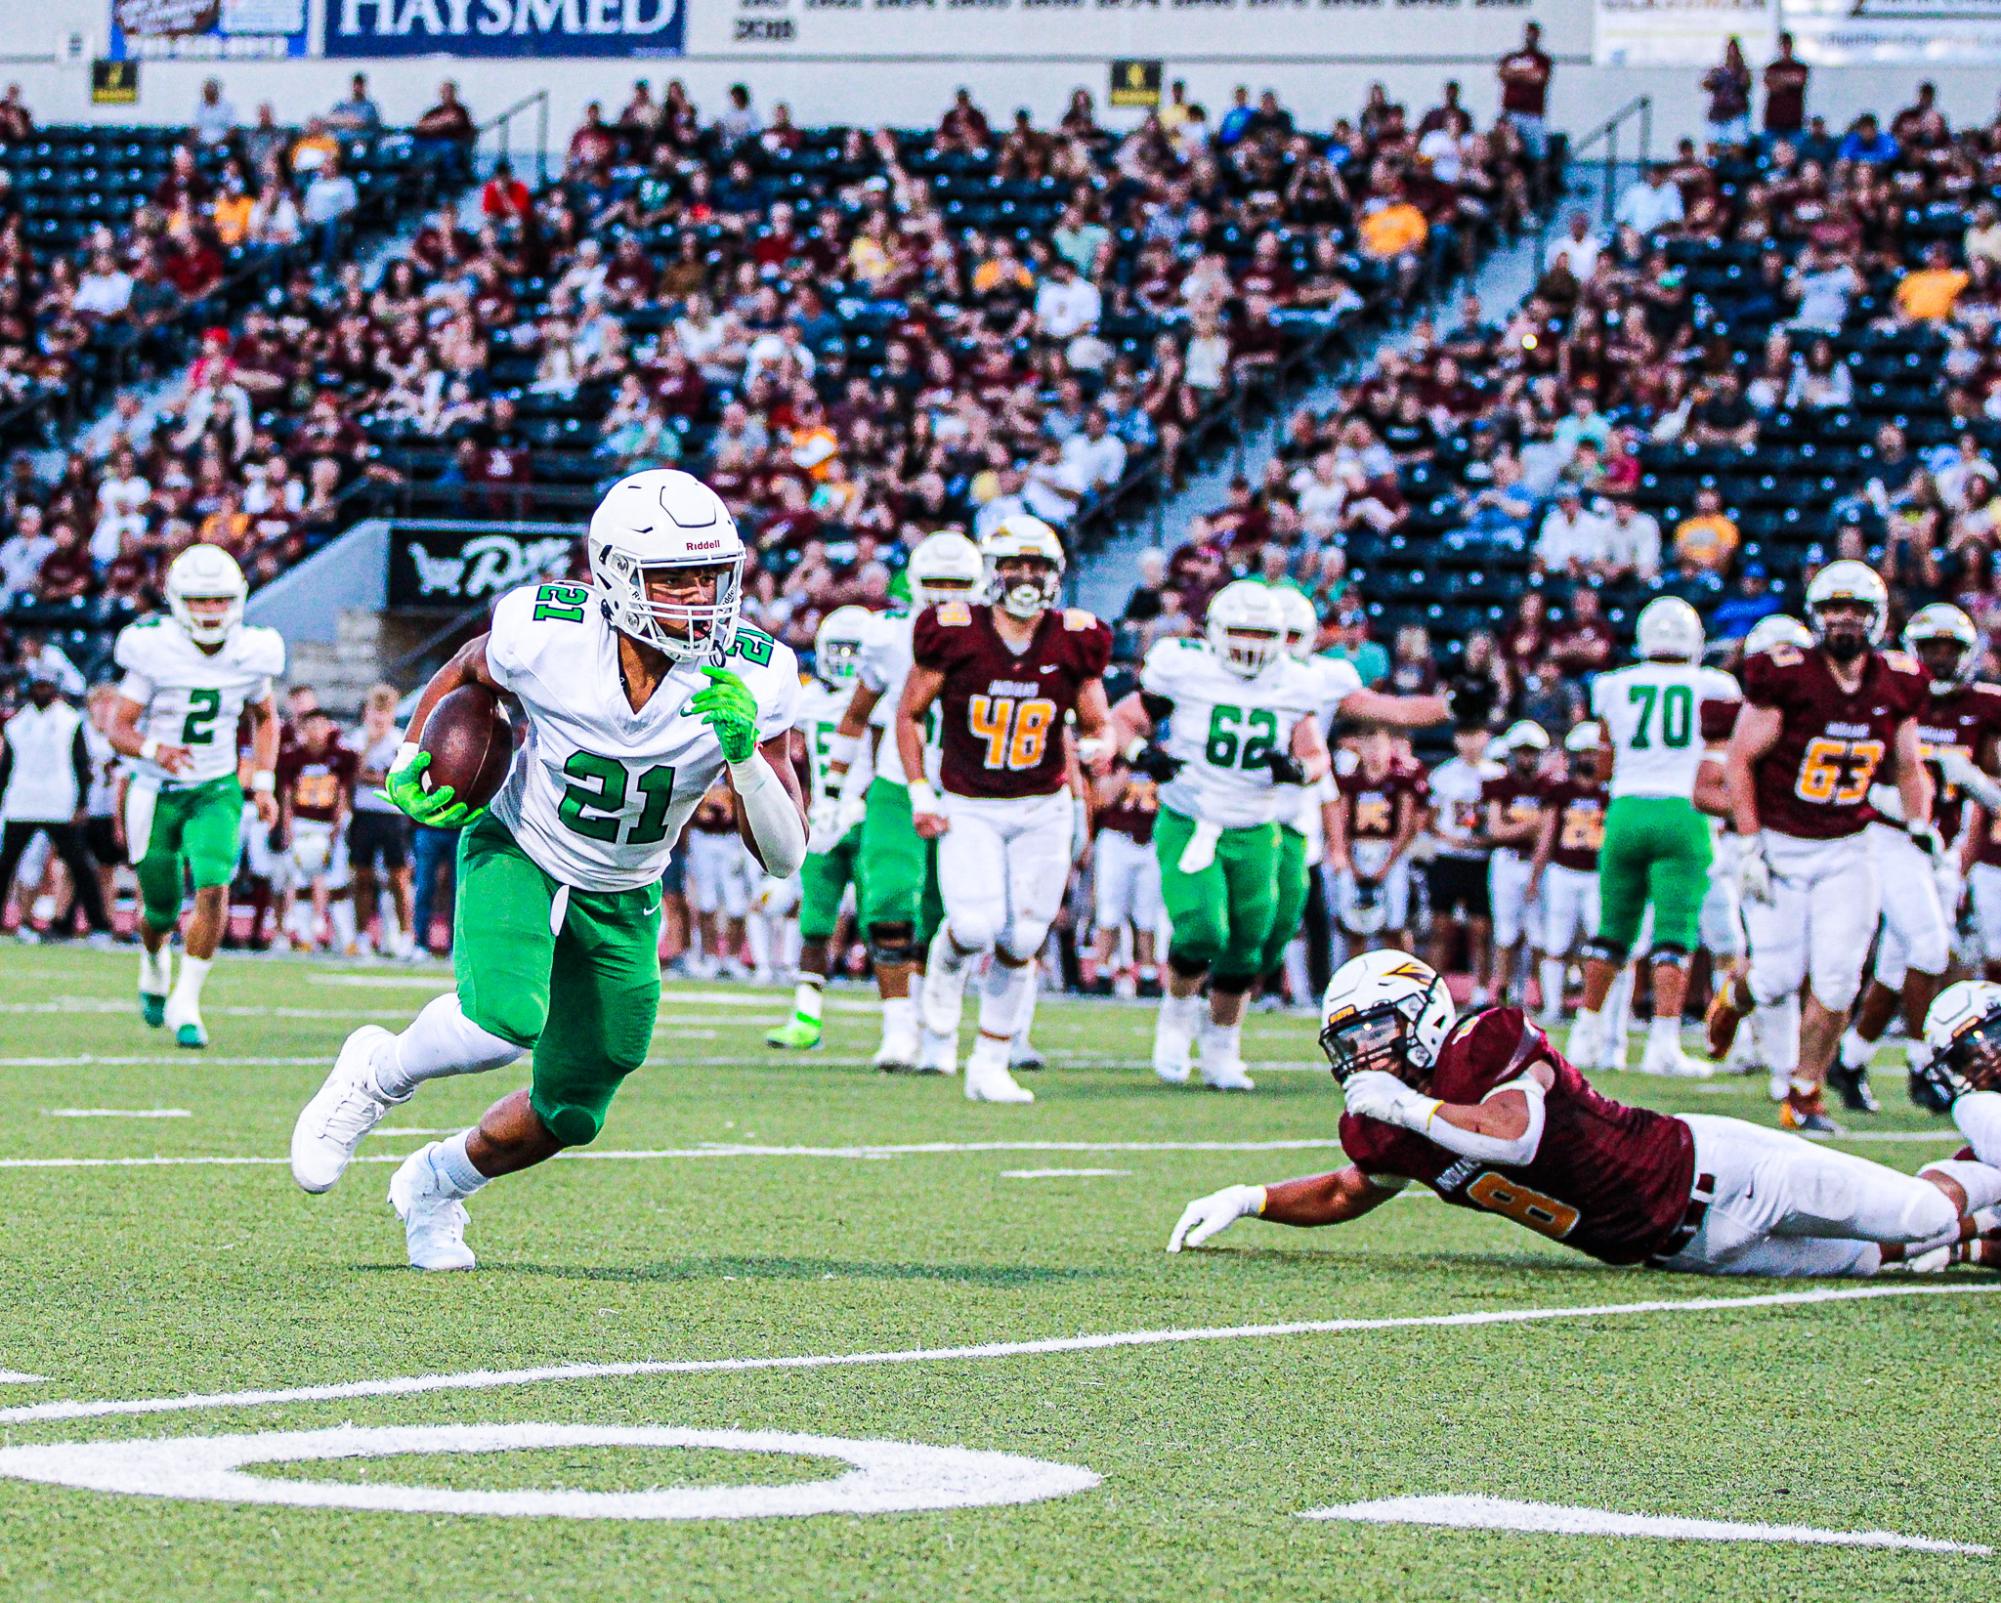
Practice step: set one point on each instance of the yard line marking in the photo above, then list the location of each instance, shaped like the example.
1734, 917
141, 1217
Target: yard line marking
14, 1377
488, 1379
1057, 1174
1505, 1514
186, 1060
117, 1113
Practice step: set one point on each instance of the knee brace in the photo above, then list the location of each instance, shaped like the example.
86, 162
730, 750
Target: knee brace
892, 944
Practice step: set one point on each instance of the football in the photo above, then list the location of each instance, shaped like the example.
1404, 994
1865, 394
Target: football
470, 742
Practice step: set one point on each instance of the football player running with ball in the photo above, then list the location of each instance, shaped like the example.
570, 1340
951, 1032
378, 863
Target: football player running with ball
899, 909
1004, 674
189, 677
834, 846
1489, 1115
1657, 846
1817, 729
639, 689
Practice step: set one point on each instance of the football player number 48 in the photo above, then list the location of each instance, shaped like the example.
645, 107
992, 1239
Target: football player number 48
1016, 730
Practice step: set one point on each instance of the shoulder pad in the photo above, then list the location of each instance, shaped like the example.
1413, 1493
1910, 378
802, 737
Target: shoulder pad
1785, 655
1901, 661
266, 651
1077, 619
953, 614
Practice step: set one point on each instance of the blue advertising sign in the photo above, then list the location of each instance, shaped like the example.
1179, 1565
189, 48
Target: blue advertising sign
506, 27
206, 30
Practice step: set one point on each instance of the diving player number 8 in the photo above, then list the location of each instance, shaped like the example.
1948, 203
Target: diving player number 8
1016, 732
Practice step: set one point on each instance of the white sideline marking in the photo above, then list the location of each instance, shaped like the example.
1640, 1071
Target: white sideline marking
1505, 1514
1057, 1174
117, 1113
487, 1379
14, 1377
717, 1149
185, 1060
887, 1477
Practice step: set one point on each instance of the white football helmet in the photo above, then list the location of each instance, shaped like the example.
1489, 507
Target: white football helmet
1302, 620
1386, 1010
1024, 542
1777, 629
1245, 627
1669, 630
206, 573
837, 645
1963, 1040
1848, 582
664, 518
946, 566
1943, 624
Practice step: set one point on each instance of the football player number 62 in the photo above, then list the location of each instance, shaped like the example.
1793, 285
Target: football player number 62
1016, 731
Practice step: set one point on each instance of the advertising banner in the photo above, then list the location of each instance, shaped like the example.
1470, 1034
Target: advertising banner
452, 567
1942, 33
1673, 33
478, 28
207, 30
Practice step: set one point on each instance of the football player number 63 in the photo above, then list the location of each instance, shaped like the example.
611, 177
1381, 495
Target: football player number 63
1016, 731
1837, 771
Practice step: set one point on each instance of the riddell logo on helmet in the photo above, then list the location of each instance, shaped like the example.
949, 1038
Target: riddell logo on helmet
705, 545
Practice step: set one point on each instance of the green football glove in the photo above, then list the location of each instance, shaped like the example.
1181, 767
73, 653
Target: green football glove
434, 808
728, 708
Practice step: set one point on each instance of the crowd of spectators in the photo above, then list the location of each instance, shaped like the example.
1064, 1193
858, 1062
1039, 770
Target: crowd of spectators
858, 336
1783, 349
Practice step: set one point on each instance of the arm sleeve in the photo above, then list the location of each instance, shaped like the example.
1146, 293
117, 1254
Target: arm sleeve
1491, 1149
79, 762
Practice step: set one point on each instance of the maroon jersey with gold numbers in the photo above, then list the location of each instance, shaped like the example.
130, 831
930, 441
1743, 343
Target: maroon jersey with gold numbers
1580, 821
1606, 1179
1964, 720
317, 781
1519, 803
1132, 812
1814, 782
1370, 806
1001, 712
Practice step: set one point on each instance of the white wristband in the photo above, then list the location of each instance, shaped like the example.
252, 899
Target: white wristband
923, 799
406, 754
841, 749
263, 780
149, 748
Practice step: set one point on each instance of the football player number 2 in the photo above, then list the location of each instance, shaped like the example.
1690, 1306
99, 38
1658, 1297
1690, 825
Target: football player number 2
594, 802
204, 707
1544, 1215
1016, 730
1837, 771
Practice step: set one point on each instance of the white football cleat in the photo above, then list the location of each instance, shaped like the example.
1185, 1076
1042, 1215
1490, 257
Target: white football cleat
897, 1054
990, 1082
1583, 1045
1667, 1059
1228, 1075
937, 1054
1173, 1041
184, 1020
434, 1225
344, 1109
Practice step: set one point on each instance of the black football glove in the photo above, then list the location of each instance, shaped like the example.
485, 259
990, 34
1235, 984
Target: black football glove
1285, 768
1157, 763
1937, 1085
1470, 700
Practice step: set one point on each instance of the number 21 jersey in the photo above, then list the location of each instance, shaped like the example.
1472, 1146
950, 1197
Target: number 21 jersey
598, 796
1814, 782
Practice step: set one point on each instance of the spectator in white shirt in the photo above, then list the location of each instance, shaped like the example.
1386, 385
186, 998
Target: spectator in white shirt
330, 197
1573, 538
1321, 492
1579, 248
1098, 455
1054, 486
1066, 304
274, 219
215, 116
1823, 283
122, 495
21, 556
1208, 357
1632, 543
105, 289
1652, 203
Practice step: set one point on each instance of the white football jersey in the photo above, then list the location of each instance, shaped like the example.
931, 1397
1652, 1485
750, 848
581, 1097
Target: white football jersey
820, 709
192, 697
598, 795
1652, 713
885, 664
1222, 726
1334, 682
1455, 803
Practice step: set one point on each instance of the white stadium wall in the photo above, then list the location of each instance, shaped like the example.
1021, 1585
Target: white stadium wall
899, 60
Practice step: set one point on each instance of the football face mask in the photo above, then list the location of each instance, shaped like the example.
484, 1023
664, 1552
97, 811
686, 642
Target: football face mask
1376, 1040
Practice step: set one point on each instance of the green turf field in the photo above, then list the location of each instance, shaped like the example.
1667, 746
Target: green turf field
743, 1207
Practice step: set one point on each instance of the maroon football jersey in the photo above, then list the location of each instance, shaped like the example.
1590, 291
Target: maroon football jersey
1519, 801
1965, 721
1606, 1179
1370, 807
1580, 821
1717, 719
317, 781
1001, 712
1814, 782
1133, 810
